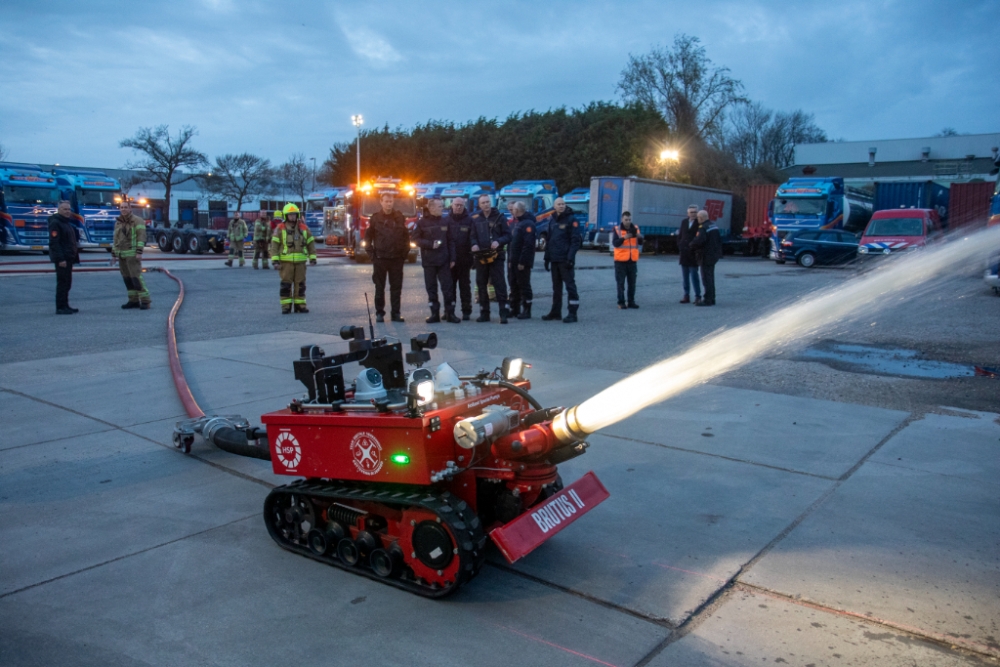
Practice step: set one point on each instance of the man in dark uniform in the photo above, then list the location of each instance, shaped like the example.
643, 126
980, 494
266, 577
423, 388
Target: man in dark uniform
64, 253
565, 239
689, 265
437, 255
489, 235
522, 258
388, 243
707, 246
460, 223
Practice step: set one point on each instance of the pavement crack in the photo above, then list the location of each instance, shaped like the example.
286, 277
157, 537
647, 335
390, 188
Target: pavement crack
60, 407
124, 556
720, 456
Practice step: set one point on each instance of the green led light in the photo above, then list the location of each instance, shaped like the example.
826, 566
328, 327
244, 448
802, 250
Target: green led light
400, 458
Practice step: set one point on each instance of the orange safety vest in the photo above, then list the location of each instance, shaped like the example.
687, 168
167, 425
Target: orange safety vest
629, 249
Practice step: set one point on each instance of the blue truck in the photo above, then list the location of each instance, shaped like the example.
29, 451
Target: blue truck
538, 198
817, 203
95, 197
471, 191
657, 207
579, 201
27, 199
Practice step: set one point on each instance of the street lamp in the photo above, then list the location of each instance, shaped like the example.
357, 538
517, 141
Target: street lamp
314, 172
358, 121
667, 156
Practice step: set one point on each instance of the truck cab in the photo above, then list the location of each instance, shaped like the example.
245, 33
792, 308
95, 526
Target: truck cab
95, 197
579, 201
538, 198
817, 203
28, 196
892, 231
366, 200
471, 192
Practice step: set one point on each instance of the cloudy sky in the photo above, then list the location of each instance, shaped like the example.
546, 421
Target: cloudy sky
281, 78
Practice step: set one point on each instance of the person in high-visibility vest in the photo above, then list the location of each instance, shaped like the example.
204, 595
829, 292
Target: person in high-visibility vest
626, 242
129, 241
291, 247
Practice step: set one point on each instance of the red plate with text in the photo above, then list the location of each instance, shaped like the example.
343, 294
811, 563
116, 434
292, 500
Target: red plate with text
525, 533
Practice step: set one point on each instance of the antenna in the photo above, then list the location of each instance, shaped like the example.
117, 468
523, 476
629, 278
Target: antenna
371, 327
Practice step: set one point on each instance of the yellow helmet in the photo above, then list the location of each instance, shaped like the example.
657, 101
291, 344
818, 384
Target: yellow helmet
290, 208
278, 215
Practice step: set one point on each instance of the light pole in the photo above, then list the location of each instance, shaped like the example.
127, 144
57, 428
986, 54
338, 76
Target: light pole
668, 156
358, 121
314, 172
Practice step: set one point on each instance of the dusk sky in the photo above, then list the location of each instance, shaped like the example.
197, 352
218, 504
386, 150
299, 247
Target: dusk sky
283, 78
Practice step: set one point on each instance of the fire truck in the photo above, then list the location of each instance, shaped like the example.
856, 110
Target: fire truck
366, 200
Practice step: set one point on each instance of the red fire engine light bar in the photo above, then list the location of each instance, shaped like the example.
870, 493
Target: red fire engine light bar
527, 532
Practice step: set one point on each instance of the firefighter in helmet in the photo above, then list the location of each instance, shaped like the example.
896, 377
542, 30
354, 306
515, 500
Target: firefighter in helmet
291, 246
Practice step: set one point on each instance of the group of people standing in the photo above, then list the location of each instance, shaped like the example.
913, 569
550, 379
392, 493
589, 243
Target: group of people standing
451, 246
700, 245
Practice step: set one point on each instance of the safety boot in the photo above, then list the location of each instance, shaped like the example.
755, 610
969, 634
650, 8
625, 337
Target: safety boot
484, 316
286, 310
572, 315
434, 318
526, 313
515, 308
266, 265
504, 313
129, 305
242, 263
301, 308
229, 262
450, 317
145, 305
552, 315
255, 267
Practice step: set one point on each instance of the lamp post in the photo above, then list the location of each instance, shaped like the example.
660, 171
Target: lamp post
314, 172
667, 156
358, 122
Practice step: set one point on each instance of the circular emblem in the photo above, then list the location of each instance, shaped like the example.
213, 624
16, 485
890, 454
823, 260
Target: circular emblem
367, 453
288, 450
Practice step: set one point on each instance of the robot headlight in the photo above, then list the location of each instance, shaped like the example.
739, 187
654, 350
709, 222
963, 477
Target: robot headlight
513, 368
424, 390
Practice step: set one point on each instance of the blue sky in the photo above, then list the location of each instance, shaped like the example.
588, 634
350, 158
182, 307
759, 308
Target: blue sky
282, 78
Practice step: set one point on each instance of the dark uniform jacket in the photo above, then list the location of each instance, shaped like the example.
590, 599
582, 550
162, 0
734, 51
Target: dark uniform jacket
461, 232
62, 240
387, 235
684, 238
522, 243
707, 244
434, 231
565, 237
486, 230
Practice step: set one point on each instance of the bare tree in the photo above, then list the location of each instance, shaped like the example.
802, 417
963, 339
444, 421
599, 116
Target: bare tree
237, 178
3, 152
681, 81
947, 132
297, 176
162, 157
758, 136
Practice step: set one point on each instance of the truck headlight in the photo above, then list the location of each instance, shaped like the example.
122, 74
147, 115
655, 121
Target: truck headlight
412, 244
863, 250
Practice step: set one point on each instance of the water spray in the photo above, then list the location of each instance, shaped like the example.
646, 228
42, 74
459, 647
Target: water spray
799, 322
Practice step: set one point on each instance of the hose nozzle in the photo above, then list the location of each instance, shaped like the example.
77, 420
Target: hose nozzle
566, 427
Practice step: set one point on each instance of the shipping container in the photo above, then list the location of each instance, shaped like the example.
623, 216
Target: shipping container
969, 205
657, 207
913, 194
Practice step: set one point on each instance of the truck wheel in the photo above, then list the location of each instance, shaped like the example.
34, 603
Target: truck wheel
193, 243
807, 260
178, 244
163, 242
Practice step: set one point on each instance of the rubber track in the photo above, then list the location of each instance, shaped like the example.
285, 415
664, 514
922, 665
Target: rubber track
453, 511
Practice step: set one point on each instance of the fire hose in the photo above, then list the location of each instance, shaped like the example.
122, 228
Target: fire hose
230, 433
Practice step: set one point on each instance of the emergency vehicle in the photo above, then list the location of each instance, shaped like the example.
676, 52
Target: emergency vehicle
366, 200
538, 198
94, 197
28, 196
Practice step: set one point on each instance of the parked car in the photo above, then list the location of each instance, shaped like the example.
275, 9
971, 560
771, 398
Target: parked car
812, 247
899, 229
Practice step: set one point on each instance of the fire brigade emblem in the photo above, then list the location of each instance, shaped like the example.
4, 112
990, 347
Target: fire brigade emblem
288, 450
367, 453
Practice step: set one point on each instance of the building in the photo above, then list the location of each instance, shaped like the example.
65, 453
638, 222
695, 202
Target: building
957, 159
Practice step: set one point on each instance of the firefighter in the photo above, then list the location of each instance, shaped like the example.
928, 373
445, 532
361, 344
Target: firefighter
276, 221
261, 239
129, 241
489, 236
521, 259
437, 256
388, 242
291, 246
627, 241
460, 223
565, 239
237, 234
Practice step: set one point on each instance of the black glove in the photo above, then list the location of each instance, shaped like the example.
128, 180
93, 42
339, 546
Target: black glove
312, 262
547, 266
571, 263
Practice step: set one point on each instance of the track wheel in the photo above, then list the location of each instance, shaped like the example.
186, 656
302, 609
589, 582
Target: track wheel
290, 518
429, 548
